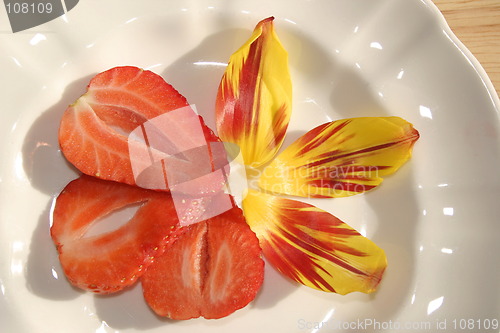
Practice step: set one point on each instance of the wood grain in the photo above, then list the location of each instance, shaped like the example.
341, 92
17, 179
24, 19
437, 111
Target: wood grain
477, 24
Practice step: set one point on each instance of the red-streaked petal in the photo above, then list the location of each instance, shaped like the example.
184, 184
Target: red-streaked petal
253, 103
341, 158
313, 247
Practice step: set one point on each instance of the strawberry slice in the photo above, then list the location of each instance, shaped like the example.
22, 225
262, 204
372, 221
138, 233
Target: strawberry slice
235, 267
94, 131
172, 285
109, 261
211, 270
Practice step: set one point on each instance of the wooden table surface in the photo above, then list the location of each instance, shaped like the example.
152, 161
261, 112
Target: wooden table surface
477, 24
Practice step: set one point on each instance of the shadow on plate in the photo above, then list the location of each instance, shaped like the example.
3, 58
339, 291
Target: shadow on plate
397, 211
44, 275
197, 74
127, 309
46, 168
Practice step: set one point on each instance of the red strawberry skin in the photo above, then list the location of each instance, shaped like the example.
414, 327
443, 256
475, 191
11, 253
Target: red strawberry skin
110, 261
211, 270
93, 134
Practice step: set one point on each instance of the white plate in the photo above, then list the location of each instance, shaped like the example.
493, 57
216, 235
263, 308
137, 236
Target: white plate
437, 218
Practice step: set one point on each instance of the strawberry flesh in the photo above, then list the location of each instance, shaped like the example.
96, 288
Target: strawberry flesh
93, 134
211, 270
110, 261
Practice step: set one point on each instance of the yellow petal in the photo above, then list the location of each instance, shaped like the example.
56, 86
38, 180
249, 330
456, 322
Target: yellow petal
341, 158
313, 247
253, 103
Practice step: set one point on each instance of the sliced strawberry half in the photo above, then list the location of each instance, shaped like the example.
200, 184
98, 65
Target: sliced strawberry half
94, 131
235, 269
212, 270
110, 261
172, 284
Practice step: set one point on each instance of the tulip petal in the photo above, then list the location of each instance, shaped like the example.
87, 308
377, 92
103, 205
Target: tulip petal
341, 158
313, 247
253, 103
